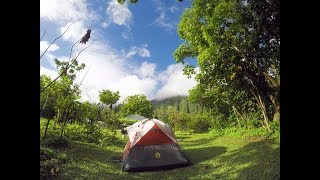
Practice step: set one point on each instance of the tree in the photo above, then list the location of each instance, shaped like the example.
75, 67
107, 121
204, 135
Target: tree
137, 104
47, 99
47, 102
109, 97
237, 45
69, 65
67, 92
184, 106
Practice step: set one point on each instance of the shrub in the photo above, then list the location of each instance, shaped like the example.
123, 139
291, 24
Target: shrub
275, 128
255, 132
181, 122
93, 134
216, 132
200, 123
75, 132
56, 142
109, 138
50, 162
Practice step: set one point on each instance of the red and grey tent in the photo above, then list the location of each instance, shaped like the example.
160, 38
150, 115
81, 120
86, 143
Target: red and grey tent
152, 146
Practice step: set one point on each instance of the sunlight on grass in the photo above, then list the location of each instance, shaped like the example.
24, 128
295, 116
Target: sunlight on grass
213, 157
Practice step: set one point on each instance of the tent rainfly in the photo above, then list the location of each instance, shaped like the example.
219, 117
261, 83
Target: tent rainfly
152, 146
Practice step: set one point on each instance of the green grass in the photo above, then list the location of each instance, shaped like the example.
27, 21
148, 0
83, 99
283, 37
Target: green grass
212, 156
217, 157
127, 121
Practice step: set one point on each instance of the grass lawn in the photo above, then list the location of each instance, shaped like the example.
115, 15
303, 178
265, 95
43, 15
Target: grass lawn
213, 157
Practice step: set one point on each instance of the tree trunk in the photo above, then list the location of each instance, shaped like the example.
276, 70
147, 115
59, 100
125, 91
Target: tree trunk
276, 116
66, 118
44, 104
265, 123
265, 119
276, 104
237, 112
45, 132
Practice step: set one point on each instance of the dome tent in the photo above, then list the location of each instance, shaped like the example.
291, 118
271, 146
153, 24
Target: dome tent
152, 146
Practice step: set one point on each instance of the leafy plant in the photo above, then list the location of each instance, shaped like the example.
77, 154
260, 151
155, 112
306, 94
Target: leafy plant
50, 162
56, 142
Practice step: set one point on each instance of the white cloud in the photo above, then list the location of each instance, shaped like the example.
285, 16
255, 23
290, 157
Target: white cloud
174, 82
132, 84
104, 24
106, 67
75, 32
62, 11
146, 70
109, 69
50, 59
141, 51
51, 73
45, 44
118, 14
126, 33
163, 20
173, 9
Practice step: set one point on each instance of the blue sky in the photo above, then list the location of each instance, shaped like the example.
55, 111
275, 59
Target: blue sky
133, 48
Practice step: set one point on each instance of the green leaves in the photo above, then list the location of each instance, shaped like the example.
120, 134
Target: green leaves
183, 52
188, 70
237, 48
123, 1
137, 104
109, 97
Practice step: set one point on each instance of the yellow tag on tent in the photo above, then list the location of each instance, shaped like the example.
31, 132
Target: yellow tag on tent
157, 155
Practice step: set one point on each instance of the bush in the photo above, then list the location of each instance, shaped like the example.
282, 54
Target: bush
216, 132
90, 133
253, 120
50, 162
109, 138
56, 142
275, 128
181, 122
244, 132
75, 132
218, 121
200, 123
255, 132
94, 134
235, 131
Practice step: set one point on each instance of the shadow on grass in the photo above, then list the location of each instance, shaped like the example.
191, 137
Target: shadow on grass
182, 137
88, 161
196, 156
198, 142
199, 155
256, 160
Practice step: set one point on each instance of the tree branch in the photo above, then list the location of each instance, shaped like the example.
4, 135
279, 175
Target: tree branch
84, 76
43, 34
44, 104
58, 38
84, 49
89, 96
66, 70
72, 48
